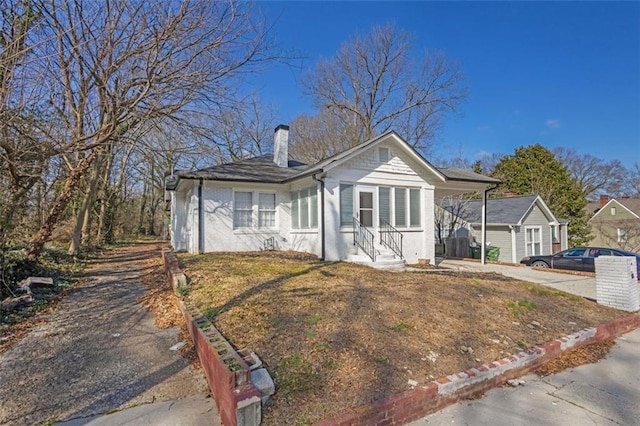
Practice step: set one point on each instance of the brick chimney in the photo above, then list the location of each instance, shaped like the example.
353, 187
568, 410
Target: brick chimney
604, 199
281, 146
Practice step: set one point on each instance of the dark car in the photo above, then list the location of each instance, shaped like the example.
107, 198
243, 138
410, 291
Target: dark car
577, 259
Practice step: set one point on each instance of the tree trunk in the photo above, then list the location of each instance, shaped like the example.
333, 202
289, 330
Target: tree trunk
104, 193
83, 219
59, 205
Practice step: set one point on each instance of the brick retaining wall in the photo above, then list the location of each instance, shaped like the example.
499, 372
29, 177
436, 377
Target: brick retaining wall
229, 377
430, 397
233, 390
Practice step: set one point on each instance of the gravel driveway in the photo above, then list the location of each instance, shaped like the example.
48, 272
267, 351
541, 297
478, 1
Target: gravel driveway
98, 352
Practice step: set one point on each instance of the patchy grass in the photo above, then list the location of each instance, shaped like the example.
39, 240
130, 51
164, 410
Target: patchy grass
337, 335
518, 308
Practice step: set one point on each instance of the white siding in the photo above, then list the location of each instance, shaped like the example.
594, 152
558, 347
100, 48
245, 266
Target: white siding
366, 170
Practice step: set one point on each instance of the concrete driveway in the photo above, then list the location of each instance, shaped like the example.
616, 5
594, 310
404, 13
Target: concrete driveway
579, 285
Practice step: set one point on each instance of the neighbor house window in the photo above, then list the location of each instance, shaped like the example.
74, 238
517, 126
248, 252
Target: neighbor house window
613, 211
242, 210
533, 239
622, 235
304, 208
346, 205
266, 210
414, 207
400, 199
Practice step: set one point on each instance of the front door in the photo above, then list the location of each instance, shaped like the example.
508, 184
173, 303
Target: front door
366, 206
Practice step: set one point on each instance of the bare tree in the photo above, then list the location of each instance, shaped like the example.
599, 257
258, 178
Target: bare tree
23, 157
316, 137
373, 84
593, 174
111, 67
451, 213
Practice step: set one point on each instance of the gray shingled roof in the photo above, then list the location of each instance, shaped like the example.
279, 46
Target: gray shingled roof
263, 169
505, 211
466, 175
256, 169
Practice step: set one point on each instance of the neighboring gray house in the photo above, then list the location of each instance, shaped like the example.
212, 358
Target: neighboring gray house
379, 193
519, 225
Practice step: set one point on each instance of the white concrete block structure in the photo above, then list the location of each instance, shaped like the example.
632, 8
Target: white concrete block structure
617, 282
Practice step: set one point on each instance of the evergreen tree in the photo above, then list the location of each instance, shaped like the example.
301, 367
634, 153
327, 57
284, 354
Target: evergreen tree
535, 170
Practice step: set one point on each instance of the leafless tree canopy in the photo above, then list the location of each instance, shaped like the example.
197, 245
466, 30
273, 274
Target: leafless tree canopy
594, 175
374, 84
88, 80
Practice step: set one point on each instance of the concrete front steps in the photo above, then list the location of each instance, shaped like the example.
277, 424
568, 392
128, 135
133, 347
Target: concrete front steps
385, 258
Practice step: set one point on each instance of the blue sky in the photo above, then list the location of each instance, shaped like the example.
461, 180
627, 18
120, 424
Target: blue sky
556, 73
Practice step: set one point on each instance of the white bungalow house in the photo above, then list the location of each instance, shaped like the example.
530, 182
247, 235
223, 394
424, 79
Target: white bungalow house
371, 203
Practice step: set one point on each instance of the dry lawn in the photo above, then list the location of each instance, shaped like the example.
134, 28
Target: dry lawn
339, 335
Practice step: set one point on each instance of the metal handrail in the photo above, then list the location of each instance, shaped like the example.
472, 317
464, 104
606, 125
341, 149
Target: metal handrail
391, 237
364, 239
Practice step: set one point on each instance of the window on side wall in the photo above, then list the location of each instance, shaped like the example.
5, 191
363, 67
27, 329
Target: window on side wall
242, 209
304, 208
266, 210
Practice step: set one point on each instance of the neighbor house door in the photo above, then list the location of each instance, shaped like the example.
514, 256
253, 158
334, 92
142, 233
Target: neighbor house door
366, 206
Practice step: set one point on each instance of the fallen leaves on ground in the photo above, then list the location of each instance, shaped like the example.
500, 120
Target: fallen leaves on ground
585, 355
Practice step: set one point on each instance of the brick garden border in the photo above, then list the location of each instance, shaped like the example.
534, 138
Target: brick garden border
430, 397
231, 393
228, 375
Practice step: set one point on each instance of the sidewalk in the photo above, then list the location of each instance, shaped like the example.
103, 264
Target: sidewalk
99, 351
604, 393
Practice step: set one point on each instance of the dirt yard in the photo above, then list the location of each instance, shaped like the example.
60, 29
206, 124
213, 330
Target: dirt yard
338, 335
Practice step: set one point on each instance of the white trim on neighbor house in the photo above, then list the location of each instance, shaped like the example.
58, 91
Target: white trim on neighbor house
544, 206
533, 243
514, 244
617, 203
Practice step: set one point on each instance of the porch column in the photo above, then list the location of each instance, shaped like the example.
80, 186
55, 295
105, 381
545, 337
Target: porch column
428, 206
484, 227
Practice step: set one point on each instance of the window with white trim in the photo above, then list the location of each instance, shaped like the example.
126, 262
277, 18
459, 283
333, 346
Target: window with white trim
613, 211
383, 154
242, 209
414, 207
304, 208
266, 210
384, 204
400, 208
622, 235
533, 240
346, 205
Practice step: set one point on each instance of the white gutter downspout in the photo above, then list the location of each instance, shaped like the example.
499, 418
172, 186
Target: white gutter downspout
513, 244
